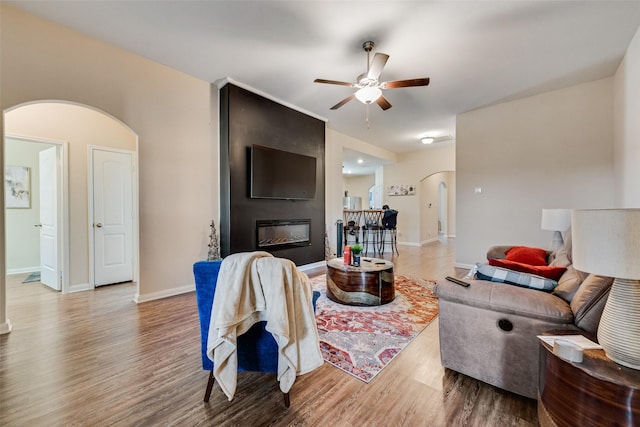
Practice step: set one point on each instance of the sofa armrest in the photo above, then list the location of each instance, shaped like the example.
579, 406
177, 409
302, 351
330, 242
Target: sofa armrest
498, 251
508, 299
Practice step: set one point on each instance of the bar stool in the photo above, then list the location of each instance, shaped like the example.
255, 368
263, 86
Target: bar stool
388, 233
371, 229
351, 226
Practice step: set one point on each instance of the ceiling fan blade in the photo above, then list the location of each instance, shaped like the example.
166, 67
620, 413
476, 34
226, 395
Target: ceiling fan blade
405, 83
334, 82
379, 60
383, 103
344, 101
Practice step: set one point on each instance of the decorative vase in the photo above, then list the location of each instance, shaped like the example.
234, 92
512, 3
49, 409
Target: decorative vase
356, 260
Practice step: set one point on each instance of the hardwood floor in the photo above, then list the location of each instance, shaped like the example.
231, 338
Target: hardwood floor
96, 358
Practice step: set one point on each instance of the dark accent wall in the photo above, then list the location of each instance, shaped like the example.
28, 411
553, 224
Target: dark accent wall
246, 119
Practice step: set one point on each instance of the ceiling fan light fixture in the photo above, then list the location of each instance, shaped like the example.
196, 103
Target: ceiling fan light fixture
368, 94
427, 140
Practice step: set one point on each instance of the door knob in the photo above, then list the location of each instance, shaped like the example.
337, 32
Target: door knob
37, 225
99, 225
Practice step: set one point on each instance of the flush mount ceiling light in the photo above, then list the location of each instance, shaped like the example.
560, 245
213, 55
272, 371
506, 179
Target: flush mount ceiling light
427, 140
368, 94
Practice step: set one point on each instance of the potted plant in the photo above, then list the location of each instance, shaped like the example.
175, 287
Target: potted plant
356, 250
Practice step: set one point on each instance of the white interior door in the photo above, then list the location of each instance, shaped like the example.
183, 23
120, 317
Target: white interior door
49, 263
112, 217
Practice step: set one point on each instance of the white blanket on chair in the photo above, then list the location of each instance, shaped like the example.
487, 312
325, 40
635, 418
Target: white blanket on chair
253, 287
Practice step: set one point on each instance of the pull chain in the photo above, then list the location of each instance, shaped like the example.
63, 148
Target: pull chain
366, 116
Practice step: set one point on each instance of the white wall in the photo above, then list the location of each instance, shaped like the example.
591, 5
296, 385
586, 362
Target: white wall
411, 168
553, 150
627, 127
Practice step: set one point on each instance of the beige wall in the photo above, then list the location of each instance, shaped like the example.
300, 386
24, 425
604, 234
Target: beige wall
627, 127
553, 150
358, 186
411, 168
79, 127
171, 113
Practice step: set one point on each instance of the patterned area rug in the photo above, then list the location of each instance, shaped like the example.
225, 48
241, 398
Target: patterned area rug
363, 340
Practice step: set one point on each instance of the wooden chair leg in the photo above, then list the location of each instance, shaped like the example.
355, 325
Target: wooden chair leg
207, 393
287, 402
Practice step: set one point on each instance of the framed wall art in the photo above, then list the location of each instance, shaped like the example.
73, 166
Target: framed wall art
401, 190
17, 187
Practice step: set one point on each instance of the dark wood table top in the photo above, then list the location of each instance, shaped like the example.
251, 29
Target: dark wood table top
367, 264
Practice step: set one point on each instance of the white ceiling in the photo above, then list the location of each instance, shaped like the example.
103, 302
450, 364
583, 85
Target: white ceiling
476, 53
356, 163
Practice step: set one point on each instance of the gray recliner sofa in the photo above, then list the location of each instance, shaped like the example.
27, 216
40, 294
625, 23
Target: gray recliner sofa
488, 330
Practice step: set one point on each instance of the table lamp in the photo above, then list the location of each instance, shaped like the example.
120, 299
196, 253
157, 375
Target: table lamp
607, 242
556, 220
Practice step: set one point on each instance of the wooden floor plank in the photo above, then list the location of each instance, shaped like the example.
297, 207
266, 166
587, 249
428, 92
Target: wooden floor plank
97, 358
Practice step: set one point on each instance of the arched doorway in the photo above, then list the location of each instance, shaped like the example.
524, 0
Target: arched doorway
81, 129
437, 206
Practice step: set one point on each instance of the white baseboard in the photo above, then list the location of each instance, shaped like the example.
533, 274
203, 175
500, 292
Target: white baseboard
461, 265
312, 266
80, 287
399, 243
164, 294
5, 327
23, 270
426, 242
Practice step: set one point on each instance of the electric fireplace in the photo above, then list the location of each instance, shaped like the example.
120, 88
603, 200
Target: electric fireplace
273, 234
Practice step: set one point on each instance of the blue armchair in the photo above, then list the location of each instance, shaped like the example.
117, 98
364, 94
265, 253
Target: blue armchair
257, 349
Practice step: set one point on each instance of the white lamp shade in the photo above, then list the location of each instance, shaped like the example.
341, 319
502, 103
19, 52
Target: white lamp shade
556, 219
368, 94
607, 242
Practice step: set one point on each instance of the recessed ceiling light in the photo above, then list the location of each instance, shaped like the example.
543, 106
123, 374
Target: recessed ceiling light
427, 140
360, 161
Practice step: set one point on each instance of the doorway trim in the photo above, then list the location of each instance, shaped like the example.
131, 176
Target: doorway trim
443, 209
63, 202
134, 208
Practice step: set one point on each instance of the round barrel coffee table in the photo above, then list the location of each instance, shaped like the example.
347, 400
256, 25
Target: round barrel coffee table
369, 284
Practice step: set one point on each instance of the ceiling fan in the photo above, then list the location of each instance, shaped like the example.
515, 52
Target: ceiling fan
369, 88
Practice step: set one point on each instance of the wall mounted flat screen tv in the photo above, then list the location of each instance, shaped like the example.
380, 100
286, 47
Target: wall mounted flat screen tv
278, 174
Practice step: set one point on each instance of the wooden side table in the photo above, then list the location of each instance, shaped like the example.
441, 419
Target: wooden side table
596, 392
372, 283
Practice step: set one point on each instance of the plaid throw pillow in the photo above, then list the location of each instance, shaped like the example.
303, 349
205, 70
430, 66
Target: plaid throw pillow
525, 280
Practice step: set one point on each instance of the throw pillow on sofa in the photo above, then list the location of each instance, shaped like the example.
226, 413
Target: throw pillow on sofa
553, 272
589, 300
569, 283
527, 255
525, 280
